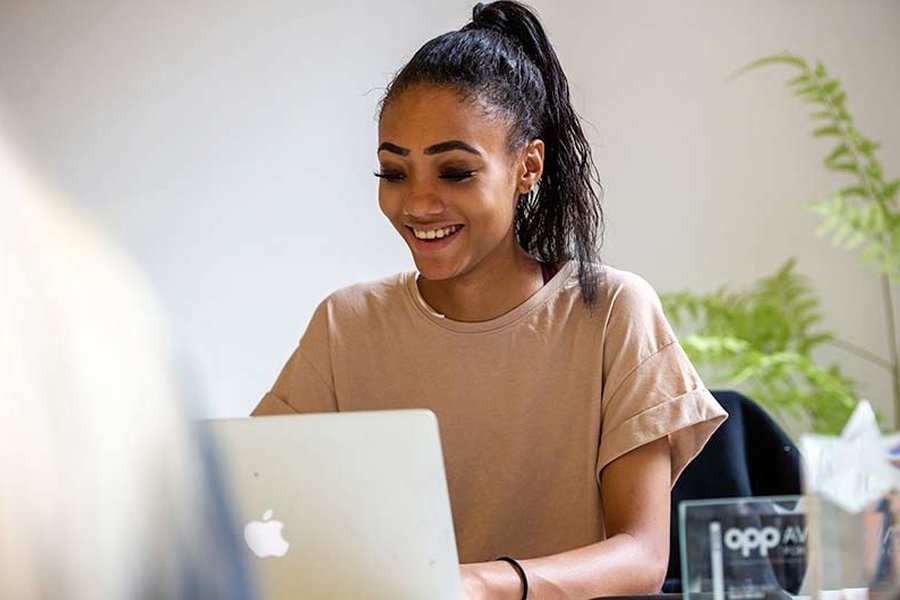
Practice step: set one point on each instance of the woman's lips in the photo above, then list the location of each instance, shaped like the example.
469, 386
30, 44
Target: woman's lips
429, 244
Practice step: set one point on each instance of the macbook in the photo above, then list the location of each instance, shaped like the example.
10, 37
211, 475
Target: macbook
342, 505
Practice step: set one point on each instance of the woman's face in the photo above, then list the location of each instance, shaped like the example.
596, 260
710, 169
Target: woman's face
448, 183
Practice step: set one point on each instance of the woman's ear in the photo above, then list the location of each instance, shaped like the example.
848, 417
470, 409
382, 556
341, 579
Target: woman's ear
531, 166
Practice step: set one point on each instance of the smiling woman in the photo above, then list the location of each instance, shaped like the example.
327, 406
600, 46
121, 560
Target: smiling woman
561, 391
454, 200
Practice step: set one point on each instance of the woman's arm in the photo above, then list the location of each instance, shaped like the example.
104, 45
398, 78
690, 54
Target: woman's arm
635, 489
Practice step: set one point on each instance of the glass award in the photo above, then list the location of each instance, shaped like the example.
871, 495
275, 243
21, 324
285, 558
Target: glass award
743, 548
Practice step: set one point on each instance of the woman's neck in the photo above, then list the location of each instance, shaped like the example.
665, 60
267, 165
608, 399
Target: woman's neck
493, 288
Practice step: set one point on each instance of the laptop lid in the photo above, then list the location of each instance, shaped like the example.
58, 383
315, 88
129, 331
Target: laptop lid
342, 505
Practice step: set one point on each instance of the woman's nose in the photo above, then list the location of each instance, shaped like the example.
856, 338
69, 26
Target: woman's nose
422, 202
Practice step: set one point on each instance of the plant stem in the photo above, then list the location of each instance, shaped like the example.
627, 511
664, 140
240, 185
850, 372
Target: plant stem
862, 353
892, 344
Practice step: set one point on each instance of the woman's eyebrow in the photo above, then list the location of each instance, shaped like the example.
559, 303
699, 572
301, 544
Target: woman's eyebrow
433, 149
451, 145
394, 148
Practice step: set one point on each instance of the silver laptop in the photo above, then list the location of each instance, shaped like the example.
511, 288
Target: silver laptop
347, 505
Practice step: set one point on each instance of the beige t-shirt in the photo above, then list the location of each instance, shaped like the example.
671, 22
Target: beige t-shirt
532, 405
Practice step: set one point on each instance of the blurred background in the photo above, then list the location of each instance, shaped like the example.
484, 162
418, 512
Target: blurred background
230, 146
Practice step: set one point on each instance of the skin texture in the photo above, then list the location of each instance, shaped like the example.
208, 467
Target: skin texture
481, 273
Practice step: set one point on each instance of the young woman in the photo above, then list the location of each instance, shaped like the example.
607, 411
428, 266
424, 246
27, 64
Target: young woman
566, 406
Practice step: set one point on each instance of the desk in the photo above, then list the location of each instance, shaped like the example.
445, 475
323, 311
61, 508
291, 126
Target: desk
643, 597
698, 596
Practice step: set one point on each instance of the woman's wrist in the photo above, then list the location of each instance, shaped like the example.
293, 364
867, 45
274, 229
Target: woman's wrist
497, 580
520, 571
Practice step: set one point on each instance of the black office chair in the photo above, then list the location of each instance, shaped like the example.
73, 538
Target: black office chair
749, 455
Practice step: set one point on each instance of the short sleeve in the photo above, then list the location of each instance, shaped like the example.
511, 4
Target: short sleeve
305, 384
651, 390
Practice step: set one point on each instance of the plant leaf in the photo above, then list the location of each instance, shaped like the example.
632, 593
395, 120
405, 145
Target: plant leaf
850, 167
785, 58
841, 150
828, 130
854, 191
889, 192
801, 78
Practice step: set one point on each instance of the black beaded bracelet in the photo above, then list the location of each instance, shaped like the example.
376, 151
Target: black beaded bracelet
515, 565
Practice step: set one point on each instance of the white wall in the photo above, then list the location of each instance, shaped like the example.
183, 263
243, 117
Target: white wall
230, 144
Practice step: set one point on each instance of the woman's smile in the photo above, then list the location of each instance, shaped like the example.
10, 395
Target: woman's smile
430, 234
432, 239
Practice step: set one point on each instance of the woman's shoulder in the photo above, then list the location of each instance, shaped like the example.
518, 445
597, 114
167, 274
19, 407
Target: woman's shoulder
618, 286
632, 309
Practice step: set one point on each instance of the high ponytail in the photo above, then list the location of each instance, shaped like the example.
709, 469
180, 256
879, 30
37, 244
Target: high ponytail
504, 58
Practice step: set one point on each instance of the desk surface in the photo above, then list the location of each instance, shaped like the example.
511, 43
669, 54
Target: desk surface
772, 595
643, 597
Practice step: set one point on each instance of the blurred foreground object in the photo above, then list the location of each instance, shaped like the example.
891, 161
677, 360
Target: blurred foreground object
105, 492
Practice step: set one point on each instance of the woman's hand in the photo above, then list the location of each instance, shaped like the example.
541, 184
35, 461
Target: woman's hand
490, 581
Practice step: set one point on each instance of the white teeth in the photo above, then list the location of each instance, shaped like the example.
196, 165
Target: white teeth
435, 233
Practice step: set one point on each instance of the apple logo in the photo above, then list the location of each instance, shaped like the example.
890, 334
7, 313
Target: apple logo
264, 537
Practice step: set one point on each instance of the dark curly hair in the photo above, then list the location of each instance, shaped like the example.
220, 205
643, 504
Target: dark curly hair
504, 59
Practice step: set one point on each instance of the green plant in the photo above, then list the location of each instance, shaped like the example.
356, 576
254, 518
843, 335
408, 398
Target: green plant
751, 340
760, 339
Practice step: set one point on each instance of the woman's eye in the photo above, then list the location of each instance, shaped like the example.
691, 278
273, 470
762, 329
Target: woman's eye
457, 175
392, 176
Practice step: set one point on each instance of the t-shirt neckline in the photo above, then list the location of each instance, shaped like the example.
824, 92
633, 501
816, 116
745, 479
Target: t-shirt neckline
548, 290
